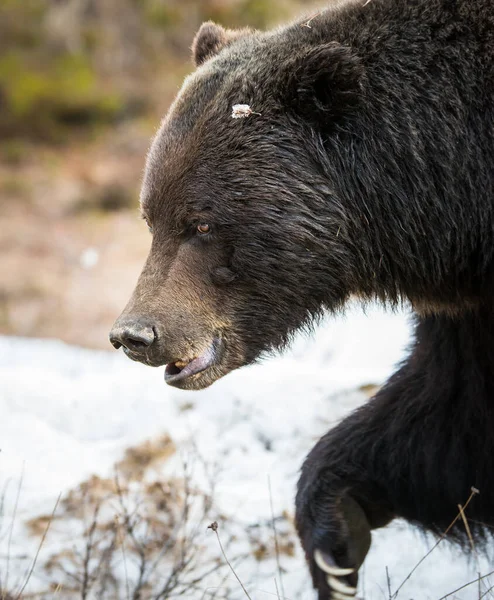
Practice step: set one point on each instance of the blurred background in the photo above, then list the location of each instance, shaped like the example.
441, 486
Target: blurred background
83, 86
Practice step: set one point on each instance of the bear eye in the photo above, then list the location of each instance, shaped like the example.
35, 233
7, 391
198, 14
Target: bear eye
203, 228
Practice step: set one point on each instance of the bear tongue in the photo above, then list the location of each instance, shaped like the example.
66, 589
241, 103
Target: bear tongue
179, 370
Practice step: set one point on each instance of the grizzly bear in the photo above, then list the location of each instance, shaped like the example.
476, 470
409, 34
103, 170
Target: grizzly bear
346, 154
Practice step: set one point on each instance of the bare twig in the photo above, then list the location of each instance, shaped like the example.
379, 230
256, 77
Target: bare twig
277, 590
214, 527
467, 528
119, 532
88, 579
31, 570
275, 540
474, 492
104, 566
130, 523
122, 543
472, 544
488, 591
462, 587
16, 505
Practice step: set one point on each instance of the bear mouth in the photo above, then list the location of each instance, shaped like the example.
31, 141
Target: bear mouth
178, 371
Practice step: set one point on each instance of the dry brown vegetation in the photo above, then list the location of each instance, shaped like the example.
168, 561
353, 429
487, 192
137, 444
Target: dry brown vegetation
134, 535
146, 537
143, 535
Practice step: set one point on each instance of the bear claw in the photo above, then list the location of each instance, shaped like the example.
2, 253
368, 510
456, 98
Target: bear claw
340, 588
327, 564
338, 596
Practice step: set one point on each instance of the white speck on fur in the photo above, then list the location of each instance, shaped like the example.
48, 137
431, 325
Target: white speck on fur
242, 111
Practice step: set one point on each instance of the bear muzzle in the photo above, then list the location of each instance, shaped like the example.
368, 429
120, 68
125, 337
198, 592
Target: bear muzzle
188, 366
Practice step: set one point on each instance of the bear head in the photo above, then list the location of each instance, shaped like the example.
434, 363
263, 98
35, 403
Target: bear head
248, 234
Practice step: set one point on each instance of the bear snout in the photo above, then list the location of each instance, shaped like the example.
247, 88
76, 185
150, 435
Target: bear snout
137, 337
189, 364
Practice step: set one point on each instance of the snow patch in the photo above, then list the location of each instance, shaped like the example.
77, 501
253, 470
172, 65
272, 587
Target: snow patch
68, 413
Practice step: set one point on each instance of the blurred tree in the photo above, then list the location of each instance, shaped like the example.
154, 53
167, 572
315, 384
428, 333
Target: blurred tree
66, 63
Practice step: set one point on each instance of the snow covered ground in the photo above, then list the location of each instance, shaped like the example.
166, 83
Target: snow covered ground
67, 413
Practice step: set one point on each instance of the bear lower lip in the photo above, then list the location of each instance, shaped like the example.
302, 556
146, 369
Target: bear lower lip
176, 373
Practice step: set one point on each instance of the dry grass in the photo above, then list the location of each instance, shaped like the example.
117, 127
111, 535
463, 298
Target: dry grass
148, 454
136, 536
141, 536
272, 539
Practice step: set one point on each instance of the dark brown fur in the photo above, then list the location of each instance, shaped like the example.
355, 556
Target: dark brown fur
364, 167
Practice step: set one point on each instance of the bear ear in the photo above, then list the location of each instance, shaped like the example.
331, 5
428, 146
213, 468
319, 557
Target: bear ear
211, 38
327, 83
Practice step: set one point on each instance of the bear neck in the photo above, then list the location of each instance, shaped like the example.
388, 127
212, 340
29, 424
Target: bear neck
412, 166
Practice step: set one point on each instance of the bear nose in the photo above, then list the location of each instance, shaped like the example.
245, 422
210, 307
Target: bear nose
134, 336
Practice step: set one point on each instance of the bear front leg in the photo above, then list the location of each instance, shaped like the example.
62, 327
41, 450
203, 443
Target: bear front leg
393, 456
336, 510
